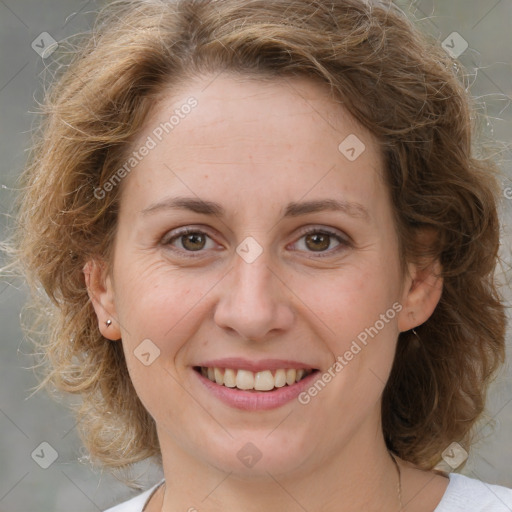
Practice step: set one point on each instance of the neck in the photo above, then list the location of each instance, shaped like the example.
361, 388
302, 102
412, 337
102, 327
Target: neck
360, 476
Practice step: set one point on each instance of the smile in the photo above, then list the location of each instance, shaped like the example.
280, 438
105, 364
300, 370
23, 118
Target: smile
246, 380
253, 386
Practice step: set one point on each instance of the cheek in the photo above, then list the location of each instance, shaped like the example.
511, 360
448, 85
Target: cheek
157, 299
154, 305
350, 300
160, 311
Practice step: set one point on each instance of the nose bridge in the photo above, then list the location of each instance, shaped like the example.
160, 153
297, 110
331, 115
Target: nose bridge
252, 301
253, 280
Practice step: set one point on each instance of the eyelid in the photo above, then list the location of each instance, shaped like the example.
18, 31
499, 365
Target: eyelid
343, 239
181, 231
184, 230
330, 231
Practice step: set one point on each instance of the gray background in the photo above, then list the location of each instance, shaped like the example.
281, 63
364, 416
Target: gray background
27, 422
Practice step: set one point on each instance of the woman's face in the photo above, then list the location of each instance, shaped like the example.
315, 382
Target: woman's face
291, 263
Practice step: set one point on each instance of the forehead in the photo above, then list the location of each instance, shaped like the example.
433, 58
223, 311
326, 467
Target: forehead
283, 138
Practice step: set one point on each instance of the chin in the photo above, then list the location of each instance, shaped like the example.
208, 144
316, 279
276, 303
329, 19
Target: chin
255, 456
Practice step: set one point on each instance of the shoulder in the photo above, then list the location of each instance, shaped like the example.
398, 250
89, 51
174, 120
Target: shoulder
137, 503
464, 493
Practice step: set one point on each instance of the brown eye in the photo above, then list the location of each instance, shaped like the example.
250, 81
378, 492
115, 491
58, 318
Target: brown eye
318, 241
189, 241
322, 241
193, 241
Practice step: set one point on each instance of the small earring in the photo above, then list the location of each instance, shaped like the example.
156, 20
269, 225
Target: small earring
415, 333
109, 322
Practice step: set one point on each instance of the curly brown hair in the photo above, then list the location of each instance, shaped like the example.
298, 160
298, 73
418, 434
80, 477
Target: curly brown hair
394, 81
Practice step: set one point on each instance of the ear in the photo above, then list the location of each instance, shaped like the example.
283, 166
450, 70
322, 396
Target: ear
422, 289
101, 292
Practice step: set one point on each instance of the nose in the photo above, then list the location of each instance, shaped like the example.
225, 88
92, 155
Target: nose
254, 301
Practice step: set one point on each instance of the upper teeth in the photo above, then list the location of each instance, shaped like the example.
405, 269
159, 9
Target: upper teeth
260, 381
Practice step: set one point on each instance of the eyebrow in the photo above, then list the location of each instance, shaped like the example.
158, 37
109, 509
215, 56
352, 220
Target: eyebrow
293, 209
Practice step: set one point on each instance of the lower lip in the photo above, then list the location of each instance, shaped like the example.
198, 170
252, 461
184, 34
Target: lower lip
256, 400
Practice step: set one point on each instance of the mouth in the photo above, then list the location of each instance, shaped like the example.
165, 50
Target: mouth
260, 381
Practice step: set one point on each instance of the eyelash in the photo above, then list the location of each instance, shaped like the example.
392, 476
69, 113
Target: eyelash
343, 242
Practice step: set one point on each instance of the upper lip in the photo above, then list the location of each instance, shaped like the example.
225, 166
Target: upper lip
237, 363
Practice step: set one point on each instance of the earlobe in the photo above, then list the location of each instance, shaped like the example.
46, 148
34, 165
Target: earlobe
421, 296
101, 293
